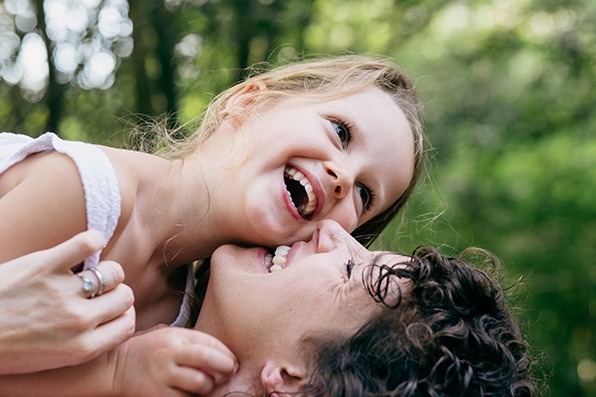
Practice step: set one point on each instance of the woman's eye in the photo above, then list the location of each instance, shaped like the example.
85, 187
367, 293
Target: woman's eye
349, 267
343, 132
366, 196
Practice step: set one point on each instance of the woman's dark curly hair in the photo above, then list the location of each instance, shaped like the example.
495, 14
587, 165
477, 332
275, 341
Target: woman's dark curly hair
449, 333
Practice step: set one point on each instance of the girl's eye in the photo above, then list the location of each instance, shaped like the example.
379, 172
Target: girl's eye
343, 132
366, 196
349, 267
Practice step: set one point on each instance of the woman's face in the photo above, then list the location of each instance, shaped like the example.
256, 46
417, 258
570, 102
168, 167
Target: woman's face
305, 160
318, 289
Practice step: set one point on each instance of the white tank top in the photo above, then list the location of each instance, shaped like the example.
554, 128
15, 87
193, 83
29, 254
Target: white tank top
102, 192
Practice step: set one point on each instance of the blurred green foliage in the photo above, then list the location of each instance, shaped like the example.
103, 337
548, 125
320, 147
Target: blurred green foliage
509, 88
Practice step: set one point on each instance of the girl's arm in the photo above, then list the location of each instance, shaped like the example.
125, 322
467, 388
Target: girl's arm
91, 379
42, 204
168, 362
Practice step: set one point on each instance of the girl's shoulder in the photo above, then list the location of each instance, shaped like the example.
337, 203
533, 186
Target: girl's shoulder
42, 199
43, 170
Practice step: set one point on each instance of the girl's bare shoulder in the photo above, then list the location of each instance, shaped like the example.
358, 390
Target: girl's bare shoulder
42, 199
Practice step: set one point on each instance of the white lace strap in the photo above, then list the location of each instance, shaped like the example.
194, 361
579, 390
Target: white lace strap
102, 192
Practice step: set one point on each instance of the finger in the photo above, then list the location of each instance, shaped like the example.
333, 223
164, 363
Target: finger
219, 365
201, 338
100, 279
71, 252
192, 381
112, 272
112, 333
111, 305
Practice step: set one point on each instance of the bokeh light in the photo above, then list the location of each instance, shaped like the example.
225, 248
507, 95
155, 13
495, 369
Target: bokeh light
86, 38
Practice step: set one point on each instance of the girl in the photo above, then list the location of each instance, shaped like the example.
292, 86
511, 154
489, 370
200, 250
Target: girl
337, 138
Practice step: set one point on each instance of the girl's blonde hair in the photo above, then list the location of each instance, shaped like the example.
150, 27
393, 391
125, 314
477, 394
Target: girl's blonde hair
328, 77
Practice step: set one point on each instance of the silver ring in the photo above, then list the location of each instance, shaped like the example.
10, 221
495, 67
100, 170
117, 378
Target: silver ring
102, 280
89, 287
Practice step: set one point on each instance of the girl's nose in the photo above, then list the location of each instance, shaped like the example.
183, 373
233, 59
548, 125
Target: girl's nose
341, 180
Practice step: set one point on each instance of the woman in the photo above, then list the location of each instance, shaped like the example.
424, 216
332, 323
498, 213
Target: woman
336, 320
337, 138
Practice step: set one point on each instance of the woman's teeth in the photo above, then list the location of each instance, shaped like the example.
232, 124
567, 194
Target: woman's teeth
279, 258
304, 199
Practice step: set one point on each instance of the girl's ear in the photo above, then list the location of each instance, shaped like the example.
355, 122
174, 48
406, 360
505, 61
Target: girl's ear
277, 380
244, 98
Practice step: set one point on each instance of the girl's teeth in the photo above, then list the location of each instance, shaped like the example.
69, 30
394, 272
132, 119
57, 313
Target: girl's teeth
278, 260
308, 208
275, 268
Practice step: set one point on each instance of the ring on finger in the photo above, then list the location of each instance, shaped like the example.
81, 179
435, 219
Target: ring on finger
101, 278
90, 287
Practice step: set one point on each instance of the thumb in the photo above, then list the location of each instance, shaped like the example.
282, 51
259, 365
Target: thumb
73, 251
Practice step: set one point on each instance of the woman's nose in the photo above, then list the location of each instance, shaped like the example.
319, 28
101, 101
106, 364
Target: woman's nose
330, 235
341, 180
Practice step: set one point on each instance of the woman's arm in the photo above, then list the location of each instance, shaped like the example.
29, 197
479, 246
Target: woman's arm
47, 322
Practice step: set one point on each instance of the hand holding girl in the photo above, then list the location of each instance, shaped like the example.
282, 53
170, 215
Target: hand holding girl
47, 320
172, 362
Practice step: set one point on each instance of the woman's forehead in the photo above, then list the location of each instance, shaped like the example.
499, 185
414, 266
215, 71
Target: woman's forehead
389, 257
381, 276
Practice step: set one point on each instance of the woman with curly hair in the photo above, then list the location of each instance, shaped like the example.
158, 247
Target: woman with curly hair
450, 334
325, 317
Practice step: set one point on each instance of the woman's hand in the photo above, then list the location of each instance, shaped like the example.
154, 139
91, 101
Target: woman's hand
47, 321
172, 362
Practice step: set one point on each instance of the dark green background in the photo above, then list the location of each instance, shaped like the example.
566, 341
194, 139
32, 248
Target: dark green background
509, 88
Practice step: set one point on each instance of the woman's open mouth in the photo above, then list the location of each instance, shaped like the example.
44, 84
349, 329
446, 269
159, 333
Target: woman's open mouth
301, 192
276, 261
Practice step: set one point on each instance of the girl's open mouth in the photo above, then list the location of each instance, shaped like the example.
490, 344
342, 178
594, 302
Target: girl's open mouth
301, 192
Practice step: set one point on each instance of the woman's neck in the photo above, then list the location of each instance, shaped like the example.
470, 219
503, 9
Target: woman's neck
251, 359
245, 382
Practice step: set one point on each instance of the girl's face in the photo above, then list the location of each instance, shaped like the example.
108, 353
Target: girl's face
319, 289
305, 160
